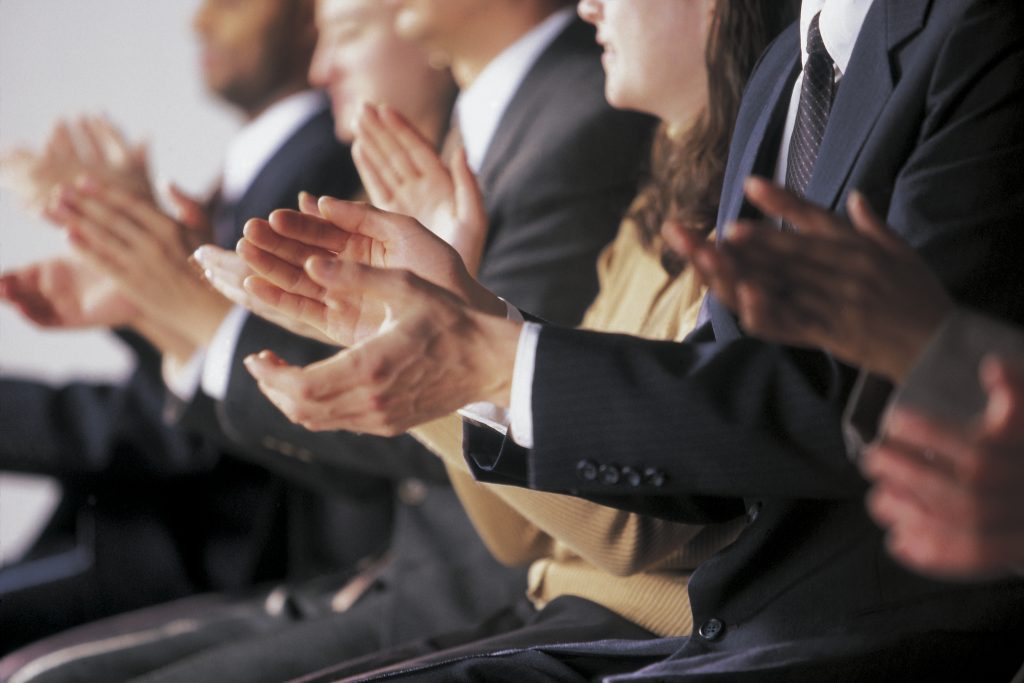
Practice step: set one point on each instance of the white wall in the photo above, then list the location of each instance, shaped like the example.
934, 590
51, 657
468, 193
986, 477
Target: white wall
136, 61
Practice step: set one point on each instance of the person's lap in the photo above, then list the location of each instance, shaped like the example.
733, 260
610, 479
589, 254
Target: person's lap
565, 619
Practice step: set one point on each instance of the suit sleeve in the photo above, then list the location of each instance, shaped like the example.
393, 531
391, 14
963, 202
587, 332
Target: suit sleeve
727, 416
84, 428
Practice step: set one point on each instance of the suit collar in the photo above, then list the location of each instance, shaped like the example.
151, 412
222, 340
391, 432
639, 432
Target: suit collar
576, 37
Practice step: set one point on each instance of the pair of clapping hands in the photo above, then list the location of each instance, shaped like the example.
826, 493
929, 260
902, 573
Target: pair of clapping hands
129, 266
948, 495
420, 335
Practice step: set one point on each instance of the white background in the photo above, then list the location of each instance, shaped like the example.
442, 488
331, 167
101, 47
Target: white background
136, 61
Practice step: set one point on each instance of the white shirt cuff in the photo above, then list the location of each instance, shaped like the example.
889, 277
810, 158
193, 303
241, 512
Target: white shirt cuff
521, 404
519, 416
217, 367
182, 379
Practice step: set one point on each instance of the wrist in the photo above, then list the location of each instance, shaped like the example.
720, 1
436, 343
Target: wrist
500, 341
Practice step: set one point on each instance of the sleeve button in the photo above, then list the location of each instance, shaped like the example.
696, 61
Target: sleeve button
586, 470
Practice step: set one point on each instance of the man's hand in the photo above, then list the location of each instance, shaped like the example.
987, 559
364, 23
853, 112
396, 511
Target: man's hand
403, 173
430, 355
227, 272
951, 497
66, 293
276, 250
853, 289
147, 253
89, 146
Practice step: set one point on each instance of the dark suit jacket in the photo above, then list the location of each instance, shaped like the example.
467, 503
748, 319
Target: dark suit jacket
557, 178
160, 511
927, 124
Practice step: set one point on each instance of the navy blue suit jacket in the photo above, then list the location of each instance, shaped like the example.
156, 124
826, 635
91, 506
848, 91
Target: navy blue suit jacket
927, 123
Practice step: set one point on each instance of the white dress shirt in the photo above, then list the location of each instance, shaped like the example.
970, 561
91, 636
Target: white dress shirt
840, 24
250, 150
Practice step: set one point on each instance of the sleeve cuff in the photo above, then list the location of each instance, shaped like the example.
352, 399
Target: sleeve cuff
216, 370
182, 379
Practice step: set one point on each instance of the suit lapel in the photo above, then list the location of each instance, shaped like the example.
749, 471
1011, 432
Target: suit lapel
863, 93
524, 104
772, 116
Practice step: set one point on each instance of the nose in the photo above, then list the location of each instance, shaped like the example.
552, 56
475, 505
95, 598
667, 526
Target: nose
590, 10
321, 67
201, 19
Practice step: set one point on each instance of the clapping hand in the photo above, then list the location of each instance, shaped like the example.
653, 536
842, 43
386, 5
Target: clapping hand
277, 249
425, 354
146, 252
850, 287
89, 146
403, 173
950, 497
66, 293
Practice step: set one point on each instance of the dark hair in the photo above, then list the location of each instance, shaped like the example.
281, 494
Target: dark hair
687, 171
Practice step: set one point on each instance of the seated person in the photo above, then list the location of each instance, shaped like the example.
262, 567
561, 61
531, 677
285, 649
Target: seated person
149, 511
589, 168
805, 592
947, 467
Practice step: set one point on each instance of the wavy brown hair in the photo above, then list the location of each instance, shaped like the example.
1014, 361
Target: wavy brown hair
687, 171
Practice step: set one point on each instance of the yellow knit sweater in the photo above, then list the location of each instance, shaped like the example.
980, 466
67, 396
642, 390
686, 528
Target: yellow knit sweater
634, 565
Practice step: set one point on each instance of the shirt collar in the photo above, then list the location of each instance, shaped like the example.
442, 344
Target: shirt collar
840, 24
257, 142
481, 105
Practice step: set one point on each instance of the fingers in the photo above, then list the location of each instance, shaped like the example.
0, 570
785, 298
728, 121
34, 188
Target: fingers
259, 233
778, 202
471, 214
191, 212
310, 230
277, 271
715, 267
421, 153
304, 310
141, 212
225, 271
868, 223
307, 205
383, 147
1004, 413
377, 188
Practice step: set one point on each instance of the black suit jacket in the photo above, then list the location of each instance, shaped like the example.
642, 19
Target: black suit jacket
557, 178
927, 123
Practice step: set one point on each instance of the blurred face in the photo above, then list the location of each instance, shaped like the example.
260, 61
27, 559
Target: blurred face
359, 58
251, 48
437, 23
653, 53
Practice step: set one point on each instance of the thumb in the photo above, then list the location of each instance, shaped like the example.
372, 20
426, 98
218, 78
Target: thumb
190, 211
868, 223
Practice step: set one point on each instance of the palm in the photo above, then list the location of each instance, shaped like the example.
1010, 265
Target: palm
65, 293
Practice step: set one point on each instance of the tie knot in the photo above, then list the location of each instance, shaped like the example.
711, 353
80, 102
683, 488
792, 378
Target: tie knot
815, 45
